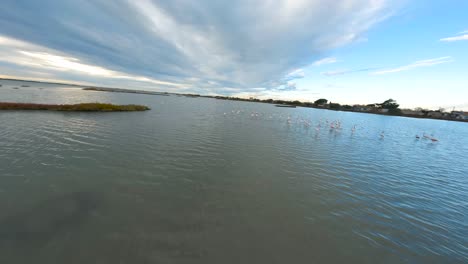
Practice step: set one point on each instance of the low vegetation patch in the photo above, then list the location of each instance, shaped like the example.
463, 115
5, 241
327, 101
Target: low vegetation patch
86, 107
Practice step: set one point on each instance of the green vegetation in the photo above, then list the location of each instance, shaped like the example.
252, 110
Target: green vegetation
321, 101
85, 107
391, 105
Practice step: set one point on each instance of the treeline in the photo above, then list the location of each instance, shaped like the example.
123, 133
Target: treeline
389, 106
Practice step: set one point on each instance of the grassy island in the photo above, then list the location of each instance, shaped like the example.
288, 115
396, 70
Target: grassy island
85, 107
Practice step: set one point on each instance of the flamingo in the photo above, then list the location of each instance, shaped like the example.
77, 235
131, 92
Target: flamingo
433, 139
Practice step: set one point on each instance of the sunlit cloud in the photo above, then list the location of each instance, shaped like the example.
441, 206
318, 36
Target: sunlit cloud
61, 63
417, 64
47, 61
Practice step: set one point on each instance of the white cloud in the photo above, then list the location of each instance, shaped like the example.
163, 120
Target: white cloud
209, 45
456, 38
323, 61
60, 63
254, 56
417, 64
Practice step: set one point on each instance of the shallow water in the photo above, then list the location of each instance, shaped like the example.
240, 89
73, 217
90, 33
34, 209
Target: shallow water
199, 180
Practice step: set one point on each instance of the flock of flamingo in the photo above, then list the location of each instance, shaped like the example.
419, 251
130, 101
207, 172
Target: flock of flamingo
322, 124
431, 138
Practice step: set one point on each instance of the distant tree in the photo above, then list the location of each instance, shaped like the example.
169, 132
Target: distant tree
392, 106
321, 101
347, 107
296, 102
389, 104
269, 101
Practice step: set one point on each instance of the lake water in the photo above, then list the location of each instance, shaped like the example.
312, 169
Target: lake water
199, 180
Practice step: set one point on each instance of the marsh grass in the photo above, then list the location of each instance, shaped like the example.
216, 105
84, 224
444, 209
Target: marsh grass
84, 107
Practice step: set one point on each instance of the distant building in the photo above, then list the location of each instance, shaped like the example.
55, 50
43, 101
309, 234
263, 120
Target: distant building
412, 112
326, 106
383, 110
435, 114
459, 115
362, 108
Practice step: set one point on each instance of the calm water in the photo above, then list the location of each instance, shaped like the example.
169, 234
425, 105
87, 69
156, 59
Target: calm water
199, 180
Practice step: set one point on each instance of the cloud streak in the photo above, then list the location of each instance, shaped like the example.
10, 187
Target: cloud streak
323, 61
343, 72
208, 47
456, 38
417, 64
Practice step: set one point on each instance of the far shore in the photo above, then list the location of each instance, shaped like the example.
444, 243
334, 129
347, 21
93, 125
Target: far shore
120, 90
84, 107
368, 109
459, 116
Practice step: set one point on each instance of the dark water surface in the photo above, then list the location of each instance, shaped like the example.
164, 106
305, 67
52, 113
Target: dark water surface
199, 180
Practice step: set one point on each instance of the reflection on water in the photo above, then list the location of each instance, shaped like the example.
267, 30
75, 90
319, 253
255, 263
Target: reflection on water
45, 220
205, 181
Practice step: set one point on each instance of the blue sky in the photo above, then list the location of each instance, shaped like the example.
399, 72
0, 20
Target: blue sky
348, 51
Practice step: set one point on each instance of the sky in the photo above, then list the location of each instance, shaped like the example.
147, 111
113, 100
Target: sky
347, 51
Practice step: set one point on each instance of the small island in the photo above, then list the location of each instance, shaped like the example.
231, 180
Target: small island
84, 107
